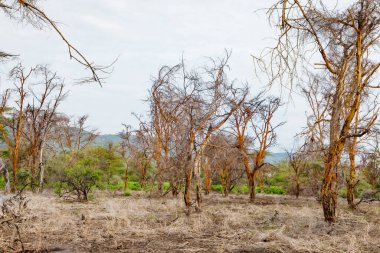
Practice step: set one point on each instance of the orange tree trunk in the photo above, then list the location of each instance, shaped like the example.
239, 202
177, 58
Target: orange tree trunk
329, 185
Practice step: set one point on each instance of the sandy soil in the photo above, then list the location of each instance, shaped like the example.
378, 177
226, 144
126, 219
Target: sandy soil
141, 224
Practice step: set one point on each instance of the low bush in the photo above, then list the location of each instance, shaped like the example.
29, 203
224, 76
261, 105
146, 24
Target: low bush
217, 188
78, 181
134, 186
274, 190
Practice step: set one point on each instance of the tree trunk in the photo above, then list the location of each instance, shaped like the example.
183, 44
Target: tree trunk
198, 183
42, 172
126, 178
206, 169
42, 169
186, 196
252, 188
329, 187
14, 170
175, 188
297, 189
351, 182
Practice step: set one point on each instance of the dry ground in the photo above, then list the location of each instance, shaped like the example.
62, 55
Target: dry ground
141, 224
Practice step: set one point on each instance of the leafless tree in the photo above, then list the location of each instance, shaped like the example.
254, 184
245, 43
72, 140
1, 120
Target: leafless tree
125, 151
12, 117
73, 135
343, 45
224, 159
298, 165
189, 106
40, 116
255, 132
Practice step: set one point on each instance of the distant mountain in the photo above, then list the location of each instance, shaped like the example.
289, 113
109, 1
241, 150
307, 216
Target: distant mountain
274, 158
105, 139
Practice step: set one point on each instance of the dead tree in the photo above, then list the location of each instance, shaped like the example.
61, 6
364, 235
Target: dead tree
298, 165
343, 43
124, 150
255, 133
225, 160
200, 103
73, 135
370, 160
12, 119
40, 115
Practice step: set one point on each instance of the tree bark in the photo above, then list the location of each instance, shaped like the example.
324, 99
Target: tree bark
329, 185
351, 182
297, 189
206, 169
197, 175
186, 196
252, 188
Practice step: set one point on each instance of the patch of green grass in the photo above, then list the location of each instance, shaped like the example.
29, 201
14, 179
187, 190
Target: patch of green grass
342, 192
217, 188
241, 189
274, 190
362, 187
134, 186
166, 186
1, 182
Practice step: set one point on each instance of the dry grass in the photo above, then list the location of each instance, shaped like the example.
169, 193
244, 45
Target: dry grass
141, 224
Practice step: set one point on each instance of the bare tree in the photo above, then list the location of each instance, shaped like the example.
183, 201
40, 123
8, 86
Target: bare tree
188, 107
255, 133
40, 115
225, 159
126, 146
73, 135
342, 42
298, 165
11, 125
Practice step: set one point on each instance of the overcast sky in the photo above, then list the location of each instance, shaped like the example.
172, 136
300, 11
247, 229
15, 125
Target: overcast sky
144, 35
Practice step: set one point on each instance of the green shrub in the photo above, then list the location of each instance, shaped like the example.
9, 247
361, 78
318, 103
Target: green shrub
166, 186
23, 176
127, 194
362, 187
274, 190
241, 189
79, 181
217, 188
1, 182
342, 192
134, 186
359, 189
